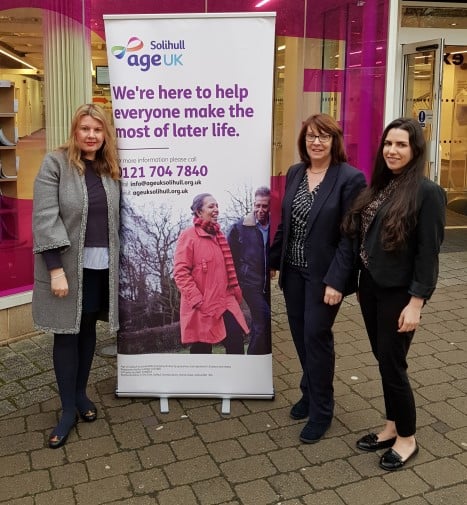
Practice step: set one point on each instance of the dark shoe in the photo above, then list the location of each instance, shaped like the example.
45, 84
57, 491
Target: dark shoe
56, 441
300, 410
391, 460
89, 416
370, 443
313, 432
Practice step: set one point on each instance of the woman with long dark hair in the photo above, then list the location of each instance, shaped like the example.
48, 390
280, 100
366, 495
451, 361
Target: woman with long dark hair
399, 221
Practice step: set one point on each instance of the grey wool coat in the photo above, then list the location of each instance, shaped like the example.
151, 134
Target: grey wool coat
60, 212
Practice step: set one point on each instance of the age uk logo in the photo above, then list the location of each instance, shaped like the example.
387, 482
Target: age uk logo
145, 61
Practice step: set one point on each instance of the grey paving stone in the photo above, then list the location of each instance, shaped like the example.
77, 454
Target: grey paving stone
191, 470
148, 481
13, 444
177, 496
222, 430
85, 449
286, 460
323, 498
188, 448
289, 485
102, 491
130, 435
226, 450
256, 493
6, 407
14, 464
214, 491
173, 430
155, 455
115, 464
248, 468
69, 475
406, 483
56, 497
373, 491
28, 483
442, 472
257, 443
330, 475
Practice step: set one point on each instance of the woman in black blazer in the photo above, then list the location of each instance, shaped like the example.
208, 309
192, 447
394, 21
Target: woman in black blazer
316, 261
399, 220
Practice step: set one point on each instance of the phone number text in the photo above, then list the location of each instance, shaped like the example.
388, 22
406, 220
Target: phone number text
164, 171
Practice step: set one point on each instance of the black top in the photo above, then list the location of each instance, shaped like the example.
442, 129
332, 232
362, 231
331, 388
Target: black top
97, 226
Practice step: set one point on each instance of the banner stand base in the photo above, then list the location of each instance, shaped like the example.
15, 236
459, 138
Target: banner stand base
164, 405
225, 406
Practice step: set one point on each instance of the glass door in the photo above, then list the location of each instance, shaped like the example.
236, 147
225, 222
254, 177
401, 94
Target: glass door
421, 99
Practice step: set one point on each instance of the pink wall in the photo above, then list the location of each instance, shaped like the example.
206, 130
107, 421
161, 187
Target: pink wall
361, 82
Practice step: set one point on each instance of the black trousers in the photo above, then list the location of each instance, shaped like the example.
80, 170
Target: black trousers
260, 310
310, 321
381, 308
233, 342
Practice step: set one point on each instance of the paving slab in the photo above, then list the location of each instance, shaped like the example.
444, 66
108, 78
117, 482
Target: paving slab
194, 455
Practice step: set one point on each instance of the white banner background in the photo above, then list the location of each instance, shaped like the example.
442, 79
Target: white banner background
192, 105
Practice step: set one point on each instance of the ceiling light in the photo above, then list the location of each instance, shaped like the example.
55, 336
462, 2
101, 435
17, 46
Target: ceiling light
260, 4
17, 59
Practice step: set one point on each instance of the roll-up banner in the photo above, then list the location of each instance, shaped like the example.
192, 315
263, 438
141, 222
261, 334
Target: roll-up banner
192, 107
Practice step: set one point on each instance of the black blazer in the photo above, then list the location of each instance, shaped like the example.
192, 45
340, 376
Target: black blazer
330, 255
416, 264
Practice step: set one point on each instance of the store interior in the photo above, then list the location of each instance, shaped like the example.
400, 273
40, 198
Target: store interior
21, 61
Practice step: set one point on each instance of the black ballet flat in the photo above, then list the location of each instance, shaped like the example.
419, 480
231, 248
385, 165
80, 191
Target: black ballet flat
56, 441
392, 460
371, 443
89, 416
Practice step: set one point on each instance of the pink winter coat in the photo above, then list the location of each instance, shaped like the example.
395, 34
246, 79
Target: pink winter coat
201, 277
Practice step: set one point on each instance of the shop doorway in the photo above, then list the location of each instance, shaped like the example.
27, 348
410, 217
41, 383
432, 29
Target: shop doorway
435, 93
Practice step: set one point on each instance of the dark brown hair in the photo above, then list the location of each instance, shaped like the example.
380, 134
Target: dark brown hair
324, 124
400, 217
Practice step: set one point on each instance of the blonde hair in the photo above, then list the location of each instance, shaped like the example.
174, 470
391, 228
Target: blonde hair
106, 161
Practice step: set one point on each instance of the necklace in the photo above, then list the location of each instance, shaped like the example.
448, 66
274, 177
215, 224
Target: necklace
319, 171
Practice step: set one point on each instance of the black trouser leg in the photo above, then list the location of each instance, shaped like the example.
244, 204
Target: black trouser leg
381, 308
260, 333
65, 359
233, 342
200, 348
86, 348
310, 321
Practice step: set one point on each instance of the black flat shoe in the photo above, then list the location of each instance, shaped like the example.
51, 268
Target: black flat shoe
89, 415
56, 441
300, 410
370, 443
313, 432
391, 460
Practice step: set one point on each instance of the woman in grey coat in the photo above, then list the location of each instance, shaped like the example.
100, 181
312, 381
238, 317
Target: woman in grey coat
76, 246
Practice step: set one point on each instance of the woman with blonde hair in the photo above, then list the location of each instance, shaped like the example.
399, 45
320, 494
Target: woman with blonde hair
76, 247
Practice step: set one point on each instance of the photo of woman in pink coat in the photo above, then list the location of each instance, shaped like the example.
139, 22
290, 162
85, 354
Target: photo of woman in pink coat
204, 272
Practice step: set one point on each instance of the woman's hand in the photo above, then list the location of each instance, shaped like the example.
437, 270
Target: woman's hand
58, 282
410, 315
332, 296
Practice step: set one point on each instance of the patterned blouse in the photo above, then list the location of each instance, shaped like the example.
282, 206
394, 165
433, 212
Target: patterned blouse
369, 212
301, 206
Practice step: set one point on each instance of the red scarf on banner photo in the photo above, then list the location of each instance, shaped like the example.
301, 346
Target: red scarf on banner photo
215, 230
